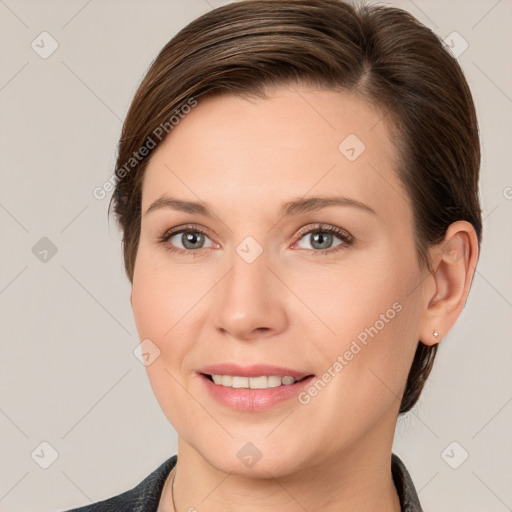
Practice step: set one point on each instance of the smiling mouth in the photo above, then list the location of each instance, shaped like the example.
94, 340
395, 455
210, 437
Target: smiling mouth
258, 382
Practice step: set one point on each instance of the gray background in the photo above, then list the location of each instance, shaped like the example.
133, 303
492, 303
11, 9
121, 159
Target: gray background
68, 373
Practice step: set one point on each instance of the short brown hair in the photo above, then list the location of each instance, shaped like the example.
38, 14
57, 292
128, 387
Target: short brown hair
381, 53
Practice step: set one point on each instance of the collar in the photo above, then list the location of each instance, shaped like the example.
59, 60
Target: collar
409, 501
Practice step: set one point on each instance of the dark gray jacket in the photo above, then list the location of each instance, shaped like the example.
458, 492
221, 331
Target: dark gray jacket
145, 496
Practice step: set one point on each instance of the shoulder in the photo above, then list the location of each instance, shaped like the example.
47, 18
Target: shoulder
409, 500
144, 497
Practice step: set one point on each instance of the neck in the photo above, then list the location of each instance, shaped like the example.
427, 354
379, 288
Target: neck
358, 478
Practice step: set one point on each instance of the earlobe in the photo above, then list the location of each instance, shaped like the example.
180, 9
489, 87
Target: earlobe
454, 261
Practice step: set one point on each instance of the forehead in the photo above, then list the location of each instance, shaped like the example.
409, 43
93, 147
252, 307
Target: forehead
296, 141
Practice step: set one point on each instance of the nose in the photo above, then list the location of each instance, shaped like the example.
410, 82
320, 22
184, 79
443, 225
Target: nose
251, 301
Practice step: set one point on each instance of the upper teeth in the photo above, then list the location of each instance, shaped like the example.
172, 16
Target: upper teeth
263, 382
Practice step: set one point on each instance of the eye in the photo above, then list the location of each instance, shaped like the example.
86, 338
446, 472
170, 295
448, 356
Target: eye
191, 239
322, 239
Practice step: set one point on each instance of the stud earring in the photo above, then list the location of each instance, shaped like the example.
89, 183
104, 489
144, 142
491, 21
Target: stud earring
435, 334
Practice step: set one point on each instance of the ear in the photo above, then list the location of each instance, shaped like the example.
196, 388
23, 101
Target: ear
454, 261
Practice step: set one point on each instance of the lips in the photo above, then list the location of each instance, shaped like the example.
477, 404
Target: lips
256, 370
252, 398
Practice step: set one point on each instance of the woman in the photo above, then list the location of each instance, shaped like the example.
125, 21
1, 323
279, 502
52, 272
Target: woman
297, 186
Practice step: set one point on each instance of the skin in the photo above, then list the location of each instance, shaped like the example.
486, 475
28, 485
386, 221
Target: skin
292, 306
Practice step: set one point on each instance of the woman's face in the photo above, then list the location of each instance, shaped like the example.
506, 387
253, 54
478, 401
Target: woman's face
252, 284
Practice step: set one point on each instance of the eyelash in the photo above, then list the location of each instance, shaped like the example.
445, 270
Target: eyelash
344, 236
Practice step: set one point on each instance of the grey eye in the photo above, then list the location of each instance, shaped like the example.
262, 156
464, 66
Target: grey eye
320, 240
189, 240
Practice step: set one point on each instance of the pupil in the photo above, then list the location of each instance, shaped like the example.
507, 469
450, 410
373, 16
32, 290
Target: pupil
190, 239
325, 236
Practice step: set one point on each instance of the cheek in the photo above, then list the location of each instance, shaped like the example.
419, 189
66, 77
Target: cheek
162, 303
373, 318
362, 312
164, 294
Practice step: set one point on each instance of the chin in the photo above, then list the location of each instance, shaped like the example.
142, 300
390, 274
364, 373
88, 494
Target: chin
256, 460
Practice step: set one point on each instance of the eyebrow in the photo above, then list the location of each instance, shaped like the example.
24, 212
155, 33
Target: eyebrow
293, 207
